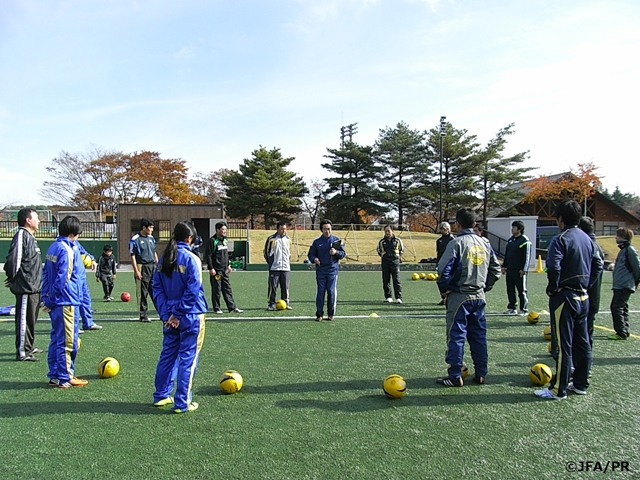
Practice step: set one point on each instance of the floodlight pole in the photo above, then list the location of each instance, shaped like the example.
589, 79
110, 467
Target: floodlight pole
349, 130
443, 132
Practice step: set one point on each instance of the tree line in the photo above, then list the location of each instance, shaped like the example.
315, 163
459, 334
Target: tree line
395, 180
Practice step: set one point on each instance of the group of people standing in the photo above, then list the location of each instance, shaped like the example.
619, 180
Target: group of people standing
31, 283
467, 268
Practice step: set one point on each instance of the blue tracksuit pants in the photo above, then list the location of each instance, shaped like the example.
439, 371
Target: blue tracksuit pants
85, 308
466, 320
179, 360
570, 340
326, 283
63, 345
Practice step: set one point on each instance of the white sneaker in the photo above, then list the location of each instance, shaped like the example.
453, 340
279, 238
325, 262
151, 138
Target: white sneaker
524, 312
547, 394
219, 312
389, 300
398, 300
510, 311
572, 388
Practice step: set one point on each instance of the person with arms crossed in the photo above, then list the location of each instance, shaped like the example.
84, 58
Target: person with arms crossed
62, 296
467, 269
277, 253
23, 267
573, 266
626, 276
325, 253
178, 294
217, 258
390, 249
515, 266
142, 248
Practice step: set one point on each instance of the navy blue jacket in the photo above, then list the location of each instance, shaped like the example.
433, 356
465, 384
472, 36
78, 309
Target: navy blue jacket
320, 249
572, 262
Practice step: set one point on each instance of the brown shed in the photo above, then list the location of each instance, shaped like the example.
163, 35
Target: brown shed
164, 217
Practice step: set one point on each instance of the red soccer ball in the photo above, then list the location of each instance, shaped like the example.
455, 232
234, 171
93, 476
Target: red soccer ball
125, 297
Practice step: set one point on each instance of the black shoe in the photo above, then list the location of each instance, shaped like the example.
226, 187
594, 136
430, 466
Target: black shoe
478, 380
450, 382
28, 358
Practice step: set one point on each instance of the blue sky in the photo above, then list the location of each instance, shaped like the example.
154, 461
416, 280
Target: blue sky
210, 81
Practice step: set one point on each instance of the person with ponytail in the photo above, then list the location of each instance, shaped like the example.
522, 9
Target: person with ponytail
178, 295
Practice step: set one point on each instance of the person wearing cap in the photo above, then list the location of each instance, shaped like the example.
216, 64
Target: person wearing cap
441, 244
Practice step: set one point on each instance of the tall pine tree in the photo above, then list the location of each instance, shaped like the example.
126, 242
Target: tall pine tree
264, 187
352, 195
402, 156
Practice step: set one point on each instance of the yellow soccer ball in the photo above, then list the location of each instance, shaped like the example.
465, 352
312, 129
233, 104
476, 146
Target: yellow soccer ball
533, 317
108, 367
394, 386
423, 275
547, 332
540, 374
431, 276
231, 382
415, 276
281, 305
86, 260
465, 370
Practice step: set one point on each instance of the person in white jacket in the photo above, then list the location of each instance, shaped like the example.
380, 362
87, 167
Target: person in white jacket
277, 253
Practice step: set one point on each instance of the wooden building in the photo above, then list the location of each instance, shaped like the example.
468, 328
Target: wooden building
165, 217
607, 215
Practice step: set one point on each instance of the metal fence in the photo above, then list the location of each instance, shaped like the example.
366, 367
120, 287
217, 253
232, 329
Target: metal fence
104, 230
49, 229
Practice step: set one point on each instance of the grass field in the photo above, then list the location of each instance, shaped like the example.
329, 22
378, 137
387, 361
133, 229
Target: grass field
312, 405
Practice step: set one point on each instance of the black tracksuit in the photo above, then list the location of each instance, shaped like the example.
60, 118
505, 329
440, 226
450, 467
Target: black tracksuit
217, 258
24, 278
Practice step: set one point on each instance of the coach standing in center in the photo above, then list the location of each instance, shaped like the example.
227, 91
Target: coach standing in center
325, 252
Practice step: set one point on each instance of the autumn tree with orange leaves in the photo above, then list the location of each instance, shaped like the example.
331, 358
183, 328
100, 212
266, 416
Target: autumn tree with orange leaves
577, 185
100, 180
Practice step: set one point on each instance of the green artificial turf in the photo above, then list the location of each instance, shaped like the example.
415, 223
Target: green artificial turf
312, 404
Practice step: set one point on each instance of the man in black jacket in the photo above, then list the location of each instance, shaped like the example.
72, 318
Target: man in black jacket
217, 258
390, 249
24, 277
515, 266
